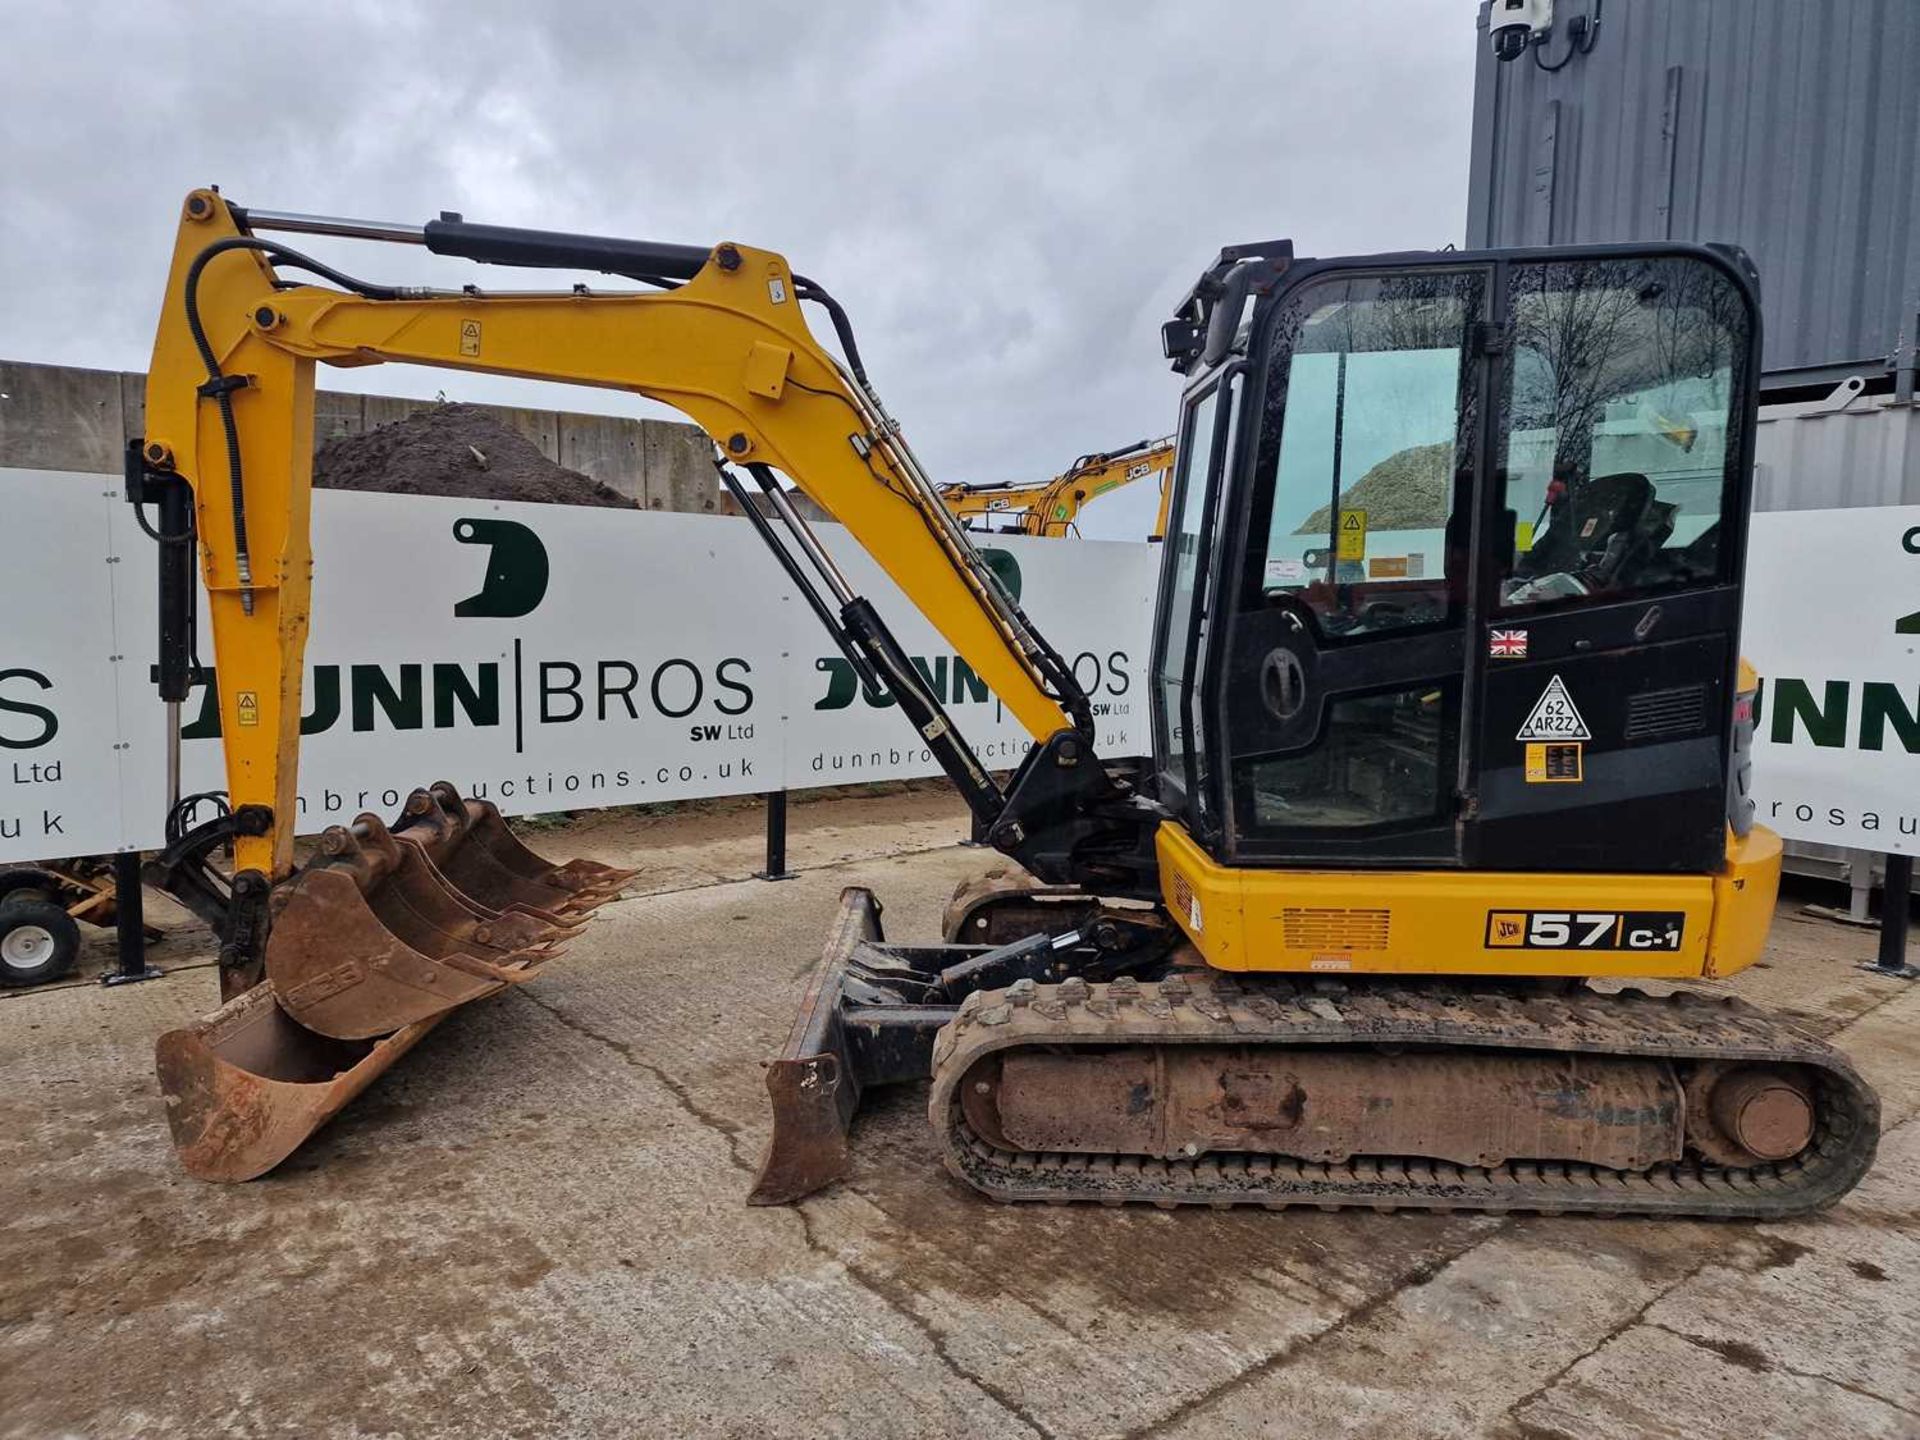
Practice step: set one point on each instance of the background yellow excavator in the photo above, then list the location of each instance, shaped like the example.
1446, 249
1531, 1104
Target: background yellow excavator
1052, 507
1417, 775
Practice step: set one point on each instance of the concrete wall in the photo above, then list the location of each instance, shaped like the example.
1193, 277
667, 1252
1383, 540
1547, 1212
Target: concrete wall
59, 417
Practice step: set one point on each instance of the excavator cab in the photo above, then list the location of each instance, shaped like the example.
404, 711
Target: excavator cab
1444, 590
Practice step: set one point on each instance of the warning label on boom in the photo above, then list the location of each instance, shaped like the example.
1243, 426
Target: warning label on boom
1554, 716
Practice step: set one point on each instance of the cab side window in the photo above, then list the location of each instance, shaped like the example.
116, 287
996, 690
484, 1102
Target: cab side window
1377, 418
1614, 426
1182, 578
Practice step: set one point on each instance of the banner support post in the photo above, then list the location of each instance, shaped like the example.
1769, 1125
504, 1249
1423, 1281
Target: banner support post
776, 867
1896, 905
130, 923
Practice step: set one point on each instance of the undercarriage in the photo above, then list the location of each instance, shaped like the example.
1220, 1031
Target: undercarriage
1137, 1075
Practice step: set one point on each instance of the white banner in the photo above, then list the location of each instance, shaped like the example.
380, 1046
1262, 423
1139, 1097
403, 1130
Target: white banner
1093, 600
1832, 623
553, 658
542, 656
63, 668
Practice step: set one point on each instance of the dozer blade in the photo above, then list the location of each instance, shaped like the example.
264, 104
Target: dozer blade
246, 1086
872, 1013
371, 937
868, 1018
469, 842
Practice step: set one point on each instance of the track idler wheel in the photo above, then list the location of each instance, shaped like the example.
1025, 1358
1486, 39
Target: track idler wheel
1748, 1114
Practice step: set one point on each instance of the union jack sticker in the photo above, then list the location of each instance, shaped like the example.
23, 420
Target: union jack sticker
1508, 645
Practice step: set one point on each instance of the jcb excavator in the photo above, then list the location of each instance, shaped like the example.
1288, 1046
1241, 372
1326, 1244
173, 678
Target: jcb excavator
1449, 721
1052, 507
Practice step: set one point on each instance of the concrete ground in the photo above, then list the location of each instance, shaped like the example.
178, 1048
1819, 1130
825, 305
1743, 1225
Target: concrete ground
534, 1226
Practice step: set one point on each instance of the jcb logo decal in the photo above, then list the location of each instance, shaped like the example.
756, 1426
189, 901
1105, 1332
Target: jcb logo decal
1585, 929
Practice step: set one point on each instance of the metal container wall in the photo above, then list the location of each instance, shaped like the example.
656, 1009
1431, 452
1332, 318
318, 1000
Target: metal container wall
1789, 127
1850, 449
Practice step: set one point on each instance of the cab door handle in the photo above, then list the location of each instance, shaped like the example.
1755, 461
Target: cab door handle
1283, 683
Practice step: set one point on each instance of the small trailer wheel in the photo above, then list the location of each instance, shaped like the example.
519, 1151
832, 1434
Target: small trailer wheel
38, 942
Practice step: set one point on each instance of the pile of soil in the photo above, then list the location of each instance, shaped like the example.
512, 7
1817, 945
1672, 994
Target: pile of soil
1405, 491
456, 450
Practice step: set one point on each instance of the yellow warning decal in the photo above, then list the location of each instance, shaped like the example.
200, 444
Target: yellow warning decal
247, 706
1555, 762
1353, 535
469, 337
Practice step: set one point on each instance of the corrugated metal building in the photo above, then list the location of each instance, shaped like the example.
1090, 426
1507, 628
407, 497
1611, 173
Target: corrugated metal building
1787, 126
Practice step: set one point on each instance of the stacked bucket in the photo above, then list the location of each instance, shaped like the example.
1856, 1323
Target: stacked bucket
375, 940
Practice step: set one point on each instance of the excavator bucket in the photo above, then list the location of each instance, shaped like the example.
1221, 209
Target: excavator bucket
246, 1085
370, 945
385, 928
469, 843
371, 937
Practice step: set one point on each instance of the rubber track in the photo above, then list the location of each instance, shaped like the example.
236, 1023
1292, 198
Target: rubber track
1211, 1009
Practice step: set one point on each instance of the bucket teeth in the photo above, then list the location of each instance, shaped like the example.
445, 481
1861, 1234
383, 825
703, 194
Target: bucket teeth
469, 842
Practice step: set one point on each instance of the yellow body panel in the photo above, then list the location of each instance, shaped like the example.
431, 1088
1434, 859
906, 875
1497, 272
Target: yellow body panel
1743, 900
1466, 922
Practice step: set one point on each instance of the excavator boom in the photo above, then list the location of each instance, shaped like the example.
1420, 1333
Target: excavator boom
389, 927
1052, 507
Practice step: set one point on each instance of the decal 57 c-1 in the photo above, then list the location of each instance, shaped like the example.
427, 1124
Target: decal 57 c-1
1585, 929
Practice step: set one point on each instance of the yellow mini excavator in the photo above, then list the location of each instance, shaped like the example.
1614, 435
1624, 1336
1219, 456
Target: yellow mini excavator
1052, 507
1449, 721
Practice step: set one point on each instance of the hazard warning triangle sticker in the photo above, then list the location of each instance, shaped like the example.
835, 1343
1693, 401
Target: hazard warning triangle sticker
1554, 716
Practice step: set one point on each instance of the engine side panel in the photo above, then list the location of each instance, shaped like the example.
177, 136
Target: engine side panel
1462, 922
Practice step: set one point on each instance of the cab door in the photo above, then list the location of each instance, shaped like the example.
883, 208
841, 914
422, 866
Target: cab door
1209, 425
1345, 683
1623, 442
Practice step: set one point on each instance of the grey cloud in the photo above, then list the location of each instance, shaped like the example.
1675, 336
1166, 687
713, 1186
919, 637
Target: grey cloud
1008, 197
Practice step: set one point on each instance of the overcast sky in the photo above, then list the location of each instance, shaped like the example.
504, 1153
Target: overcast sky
1007, 197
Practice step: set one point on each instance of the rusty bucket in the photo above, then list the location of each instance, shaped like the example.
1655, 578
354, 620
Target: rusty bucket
469, 843
370, 944
246, 1085
370, 937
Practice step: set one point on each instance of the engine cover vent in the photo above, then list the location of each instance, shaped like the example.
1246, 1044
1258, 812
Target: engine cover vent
1180, 893
1329, 929
1657, 714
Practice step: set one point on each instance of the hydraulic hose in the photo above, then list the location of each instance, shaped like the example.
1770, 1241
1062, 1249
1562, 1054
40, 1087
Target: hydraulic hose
220, 387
